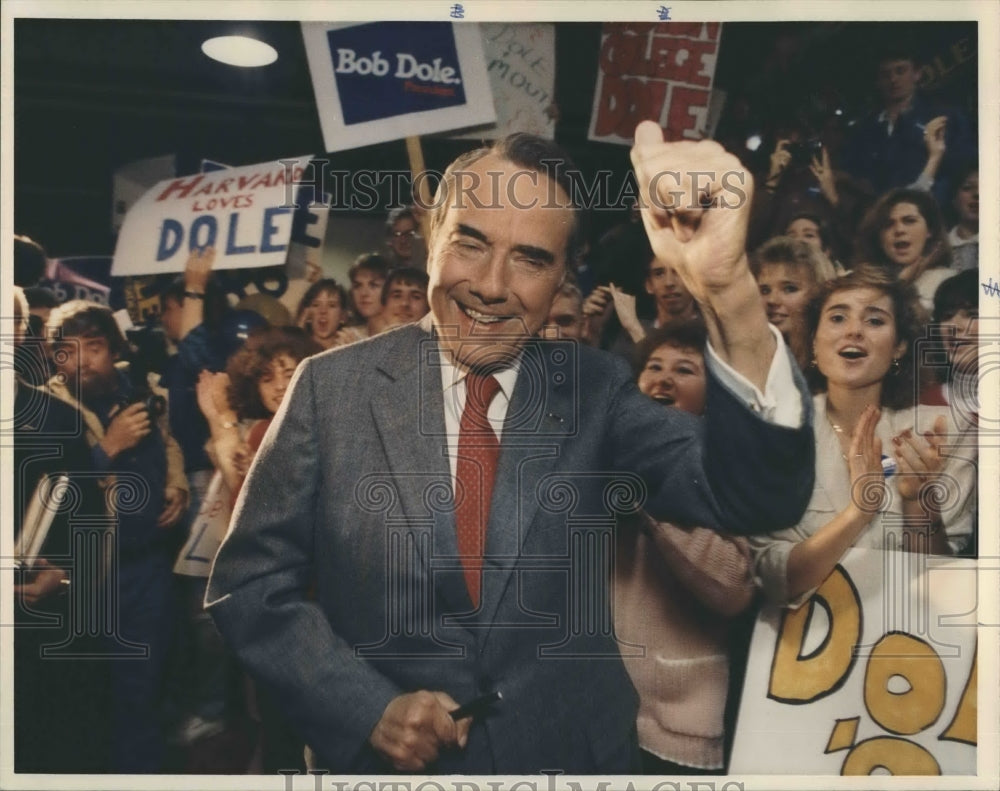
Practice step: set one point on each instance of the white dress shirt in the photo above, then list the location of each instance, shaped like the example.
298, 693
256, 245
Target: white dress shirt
780, 403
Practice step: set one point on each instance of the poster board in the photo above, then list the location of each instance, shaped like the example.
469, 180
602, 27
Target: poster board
384, 81
663, 72
877, 671
521, 63
246, 213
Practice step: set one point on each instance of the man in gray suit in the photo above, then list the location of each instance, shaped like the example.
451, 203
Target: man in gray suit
393, 556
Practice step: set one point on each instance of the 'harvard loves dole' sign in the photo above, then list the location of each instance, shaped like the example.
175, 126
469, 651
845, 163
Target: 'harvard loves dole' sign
247, 214
384, 81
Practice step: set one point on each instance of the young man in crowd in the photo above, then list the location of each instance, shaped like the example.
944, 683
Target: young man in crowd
367, 277
565, 319
147, 493
404, 297
910, 140
402, 238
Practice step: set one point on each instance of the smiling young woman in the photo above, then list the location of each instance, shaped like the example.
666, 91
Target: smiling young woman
874, 453
788, 272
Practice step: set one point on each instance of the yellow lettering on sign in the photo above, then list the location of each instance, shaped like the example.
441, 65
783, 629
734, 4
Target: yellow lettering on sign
897, 756
799, 679
843, 735
904, 684
963, 724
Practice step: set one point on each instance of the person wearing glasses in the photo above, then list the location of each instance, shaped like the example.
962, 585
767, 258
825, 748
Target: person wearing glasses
403, 239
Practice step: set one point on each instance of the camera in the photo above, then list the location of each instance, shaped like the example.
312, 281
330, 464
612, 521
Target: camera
804, 151
147, 350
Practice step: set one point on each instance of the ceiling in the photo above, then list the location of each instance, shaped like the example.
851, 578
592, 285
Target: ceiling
92, 95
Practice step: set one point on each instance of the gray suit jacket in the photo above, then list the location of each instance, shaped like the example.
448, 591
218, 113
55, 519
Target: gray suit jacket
339, 585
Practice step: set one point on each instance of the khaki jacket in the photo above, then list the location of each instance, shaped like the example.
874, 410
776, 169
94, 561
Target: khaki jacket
95, 433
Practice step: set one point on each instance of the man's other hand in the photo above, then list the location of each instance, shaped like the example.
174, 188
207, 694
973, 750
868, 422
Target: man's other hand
415, 727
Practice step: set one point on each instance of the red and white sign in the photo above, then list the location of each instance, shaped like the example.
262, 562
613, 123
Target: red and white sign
245, 213
661, 72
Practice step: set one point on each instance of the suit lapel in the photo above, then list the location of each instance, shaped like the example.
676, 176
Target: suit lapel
409, 414
540, 416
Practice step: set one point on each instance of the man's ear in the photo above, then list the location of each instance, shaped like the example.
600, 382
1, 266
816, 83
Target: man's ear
649, 288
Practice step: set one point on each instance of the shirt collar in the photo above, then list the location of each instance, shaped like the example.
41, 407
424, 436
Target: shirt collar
957, 241
451, 374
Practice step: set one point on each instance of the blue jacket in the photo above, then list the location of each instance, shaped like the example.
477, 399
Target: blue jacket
896, 160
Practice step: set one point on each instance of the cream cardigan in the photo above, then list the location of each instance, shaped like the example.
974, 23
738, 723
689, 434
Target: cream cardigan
675, 590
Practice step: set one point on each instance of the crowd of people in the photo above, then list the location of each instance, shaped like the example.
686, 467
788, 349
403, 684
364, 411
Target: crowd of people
857, 270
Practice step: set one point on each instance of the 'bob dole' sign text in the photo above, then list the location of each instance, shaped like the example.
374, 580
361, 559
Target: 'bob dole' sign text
387, 80
245, 213
662, 72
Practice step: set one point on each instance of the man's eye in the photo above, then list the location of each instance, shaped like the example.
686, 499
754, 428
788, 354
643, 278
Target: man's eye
531, 262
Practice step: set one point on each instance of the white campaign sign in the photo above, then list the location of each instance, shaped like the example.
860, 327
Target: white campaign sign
245, 213
206, 532
521, 63
875, 674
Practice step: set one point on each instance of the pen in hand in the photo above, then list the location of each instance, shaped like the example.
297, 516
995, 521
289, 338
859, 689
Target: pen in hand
475, 707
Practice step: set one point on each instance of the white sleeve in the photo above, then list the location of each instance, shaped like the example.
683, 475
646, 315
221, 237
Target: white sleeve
781, 402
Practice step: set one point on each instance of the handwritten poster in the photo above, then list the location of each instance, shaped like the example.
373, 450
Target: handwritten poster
521, 63
875, 674
659, 71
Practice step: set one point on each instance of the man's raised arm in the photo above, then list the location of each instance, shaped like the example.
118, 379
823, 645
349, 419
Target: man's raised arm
695, 204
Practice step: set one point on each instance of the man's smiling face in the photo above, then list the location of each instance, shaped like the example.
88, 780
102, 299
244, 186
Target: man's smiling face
497, 260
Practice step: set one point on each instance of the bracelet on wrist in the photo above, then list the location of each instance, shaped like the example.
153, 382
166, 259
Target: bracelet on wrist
194, 294
229, 423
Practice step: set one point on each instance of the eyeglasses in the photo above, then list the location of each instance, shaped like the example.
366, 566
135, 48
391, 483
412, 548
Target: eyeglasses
408, 234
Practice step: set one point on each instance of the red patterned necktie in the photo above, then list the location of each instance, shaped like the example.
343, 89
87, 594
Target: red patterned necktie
478, 450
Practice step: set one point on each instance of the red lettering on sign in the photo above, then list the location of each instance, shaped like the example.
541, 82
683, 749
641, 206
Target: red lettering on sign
683, 60
626, 102
681, 119
183, 188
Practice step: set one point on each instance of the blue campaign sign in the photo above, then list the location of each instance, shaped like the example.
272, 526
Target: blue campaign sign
387, 69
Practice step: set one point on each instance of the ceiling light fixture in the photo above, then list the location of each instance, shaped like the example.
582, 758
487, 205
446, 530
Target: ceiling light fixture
240, 51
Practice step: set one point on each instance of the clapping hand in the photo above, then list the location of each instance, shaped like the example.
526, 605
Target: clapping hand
919, 459
864, 463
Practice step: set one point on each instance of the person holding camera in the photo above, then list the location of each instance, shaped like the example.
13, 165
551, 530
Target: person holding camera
146, 493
